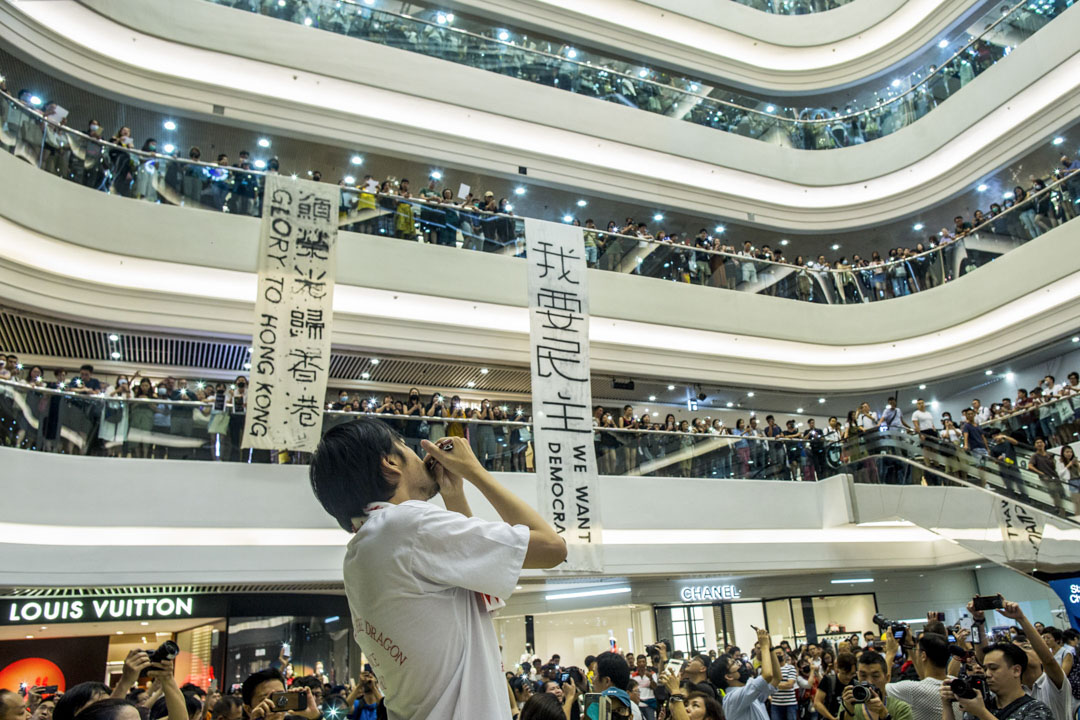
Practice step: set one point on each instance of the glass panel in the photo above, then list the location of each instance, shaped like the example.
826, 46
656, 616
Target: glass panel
489, 226
780, 621
305, 643
875, 112
843, 614
793, 7
743, 616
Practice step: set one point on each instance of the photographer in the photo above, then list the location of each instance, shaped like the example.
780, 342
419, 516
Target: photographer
363, 701
1005, 665
867, 699
257, 692
413, 570
930, 657
744, 694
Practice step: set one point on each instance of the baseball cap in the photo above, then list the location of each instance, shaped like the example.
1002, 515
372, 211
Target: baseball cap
617, 695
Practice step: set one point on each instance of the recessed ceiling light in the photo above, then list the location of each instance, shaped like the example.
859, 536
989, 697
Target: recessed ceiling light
719, 229
264, 142
582, 203
658, 217
750, 394
260, 164
144, 623
119, 632
784, 242
1076, 338
836, 246
374, 361
983, 187
356, 160
798, 410
988, 372
484, 371
349, 180
917, 227
503, 35
821, 401
943, 44
168, 148
169, 125
115, 355
730, 404
652, 398
922, 387
471, 383
519, 190
1058, 140
1009, 376
568, 218
770, 108
365, 375
114, 337
672, 387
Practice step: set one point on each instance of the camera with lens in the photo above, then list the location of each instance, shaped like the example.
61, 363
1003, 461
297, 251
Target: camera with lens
862, 692
968, 687
898, 629
167, 651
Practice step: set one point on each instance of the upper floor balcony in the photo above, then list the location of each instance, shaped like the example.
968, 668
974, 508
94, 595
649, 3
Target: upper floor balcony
760, 182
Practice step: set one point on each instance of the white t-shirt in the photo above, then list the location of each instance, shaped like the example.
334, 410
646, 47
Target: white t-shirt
925, 419
1059, 700
642, 681
924, 697
416, 577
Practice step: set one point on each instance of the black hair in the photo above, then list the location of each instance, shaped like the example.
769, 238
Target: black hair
936, 628
224, 707
108, 709
1059, 637
718, 671
77, 696
346, 473
936, 648
542, 706
1071, 634
160, 708
589, 660
192, 687
308, 681
255, 679
89, 368
1013, 655
614, 667
713, 709
873, 658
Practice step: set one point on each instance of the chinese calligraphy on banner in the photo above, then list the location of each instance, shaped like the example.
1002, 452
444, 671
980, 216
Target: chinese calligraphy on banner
563, 447
290, 355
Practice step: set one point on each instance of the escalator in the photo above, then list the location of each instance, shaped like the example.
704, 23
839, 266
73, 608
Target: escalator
1001, 511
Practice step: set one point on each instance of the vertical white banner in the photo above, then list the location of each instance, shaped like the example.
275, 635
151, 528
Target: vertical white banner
290, 357
563, 449
1021, 532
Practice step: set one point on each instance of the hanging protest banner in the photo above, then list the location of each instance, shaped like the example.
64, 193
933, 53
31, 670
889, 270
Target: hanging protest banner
563, 449
290, 354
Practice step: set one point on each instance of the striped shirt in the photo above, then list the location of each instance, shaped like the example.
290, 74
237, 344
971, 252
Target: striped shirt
788, 673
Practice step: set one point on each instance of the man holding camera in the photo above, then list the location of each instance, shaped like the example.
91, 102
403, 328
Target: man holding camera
363, 701
867, 698
931, 659
422, 581
1004, 664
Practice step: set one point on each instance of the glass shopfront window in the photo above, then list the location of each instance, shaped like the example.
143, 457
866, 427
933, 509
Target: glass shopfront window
798, 620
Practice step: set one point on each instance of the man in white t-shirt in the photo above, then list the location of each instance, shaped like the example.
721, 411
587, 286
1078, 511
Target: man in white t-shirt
982, 414
1043, 677
645, 677
422, 581
931, 659
922, 421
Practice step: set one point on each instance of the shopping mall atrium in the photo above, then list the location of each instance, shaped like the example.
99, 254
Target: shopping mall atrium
731, 314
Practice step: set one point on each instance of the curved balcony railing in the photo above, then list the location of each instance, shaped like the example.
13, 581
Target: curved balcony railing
874, 114
209, 428
471, 224
793, 7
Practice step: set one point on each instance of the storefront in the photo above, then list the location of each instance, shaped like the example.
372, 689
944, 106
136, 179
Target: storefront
718, 616
71, 638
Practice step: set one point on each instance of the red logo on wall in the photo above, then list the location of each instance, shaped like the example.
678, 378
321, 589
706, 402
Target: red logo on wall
32, 671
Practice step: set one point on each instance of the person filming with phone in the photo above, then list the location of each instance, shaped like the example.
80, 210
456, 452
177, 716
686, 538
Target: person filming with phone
422, 581
744, 694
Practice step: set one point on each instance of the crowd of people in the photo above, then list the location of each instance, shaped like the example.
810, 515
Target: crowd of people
876, 113
484, 220
178, 418
1020, 671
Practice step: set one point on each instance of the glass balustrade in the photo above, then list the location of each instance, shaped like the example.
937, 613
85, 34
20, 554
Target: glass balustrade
874, 113
793, 7
900, 458
39, 418
1057, 421
478, 225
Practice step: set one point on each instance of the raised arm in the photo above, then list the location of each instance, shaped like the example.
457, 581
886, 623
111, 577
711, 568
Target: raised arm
1050, 665
546, 548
